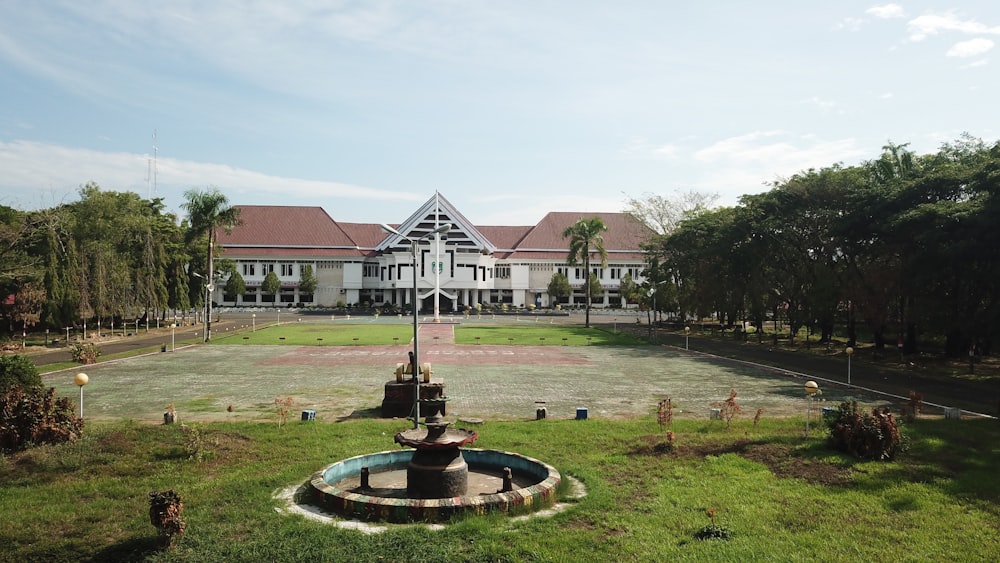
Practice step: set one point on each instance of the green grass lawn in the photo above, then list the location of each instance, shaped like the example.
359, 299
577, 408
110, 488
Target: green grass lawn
781, 496
346, 334
543, 335
323, 334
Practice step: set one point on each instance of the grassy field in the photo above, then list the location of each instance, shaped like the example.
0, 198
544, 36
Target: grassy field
783, 498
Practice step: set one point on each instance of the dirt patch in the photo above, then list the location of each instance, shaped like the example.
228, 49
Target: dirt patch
781, 459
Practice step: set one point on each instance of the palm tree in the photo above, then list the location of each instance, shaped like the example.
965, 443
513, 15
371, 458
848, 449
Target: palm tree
585, 238
207, 211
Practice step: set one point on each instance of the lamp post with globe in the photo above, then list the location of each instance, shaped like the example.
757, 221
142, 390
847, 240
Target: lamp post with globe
81, 379
416, 347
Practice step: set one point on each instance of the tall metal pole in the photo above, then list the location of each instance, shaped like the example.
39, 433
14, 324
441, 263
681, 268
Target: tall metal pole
416, 342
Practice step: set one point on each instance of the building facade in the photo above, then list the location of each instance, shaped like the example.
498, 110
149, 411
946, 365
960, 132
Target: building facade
359, 263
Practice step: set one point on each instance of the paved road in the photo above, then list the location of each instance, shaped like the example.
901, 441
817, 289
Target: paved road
969, 395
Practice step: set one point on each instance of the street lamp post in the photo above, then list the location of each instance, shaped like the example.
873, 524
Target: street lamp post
850, 352
173, 327
81, 379
253, 319
209, 288
416, 345
687, 334
812, 389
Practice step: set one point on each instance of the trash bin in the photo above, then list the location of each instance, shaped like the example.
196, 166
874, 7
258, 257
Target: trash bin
163, 348
308, 415
581, 413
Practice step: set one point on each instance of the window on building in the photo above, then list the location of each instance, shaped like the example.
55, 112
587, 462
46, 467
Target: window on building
266, 269
287, 270
249, 269
503, 272
370, 270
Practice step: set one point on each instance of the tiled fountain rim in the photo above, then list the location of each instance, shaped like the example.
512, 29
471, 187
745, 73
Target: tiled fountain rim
366, 507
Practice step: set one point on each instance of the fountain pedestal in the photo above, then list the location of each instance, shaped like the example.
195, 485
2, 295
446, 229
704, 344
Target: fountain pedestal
437, 469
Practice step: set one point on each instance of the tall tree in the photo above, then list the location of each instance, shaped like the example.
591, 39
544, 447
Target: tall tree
235, 286
664, 213
558, 288
271, 286
209, 211
586, 237
307, 281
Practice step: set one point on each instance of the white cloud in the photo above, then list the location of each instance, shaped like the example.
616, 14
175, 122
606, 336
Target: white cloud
825, 105
886, 96
931, 24
640, 147
62, 170
886, 11
779, 151
970, 48
850, 24
976, 64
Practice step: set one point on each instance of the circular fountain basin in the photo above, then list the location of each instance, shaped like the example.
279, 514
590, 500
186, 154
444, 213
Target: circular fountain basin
337, 487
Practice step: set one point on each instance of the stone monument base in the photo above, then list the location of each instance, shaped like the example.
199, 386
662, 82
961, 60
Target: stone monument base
398, 398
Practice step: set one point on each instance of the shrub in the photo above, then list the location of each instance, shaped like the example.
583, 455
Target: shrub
665, 413
165, 510
729, 408
18, 371
713, 531
873, 436
33, 415
85, 352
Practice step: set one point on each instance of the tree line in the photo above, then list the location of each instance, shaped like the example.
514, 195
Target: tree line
903, 248
108, 257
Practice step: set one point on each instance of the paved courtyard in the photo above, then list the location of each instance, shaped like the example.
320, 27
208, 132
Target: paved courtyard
490, 382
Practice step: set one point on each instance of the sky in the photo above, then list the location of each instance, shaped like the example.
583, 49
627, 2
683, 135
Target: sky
510, 109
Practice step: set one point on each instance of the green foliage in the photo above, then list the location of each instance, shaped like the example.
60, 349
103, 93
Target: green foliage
557, 289
30, 416
874, 435
85, 352
585, 238
307, 280
235, 286
863, 235
195, 445
18, 371
271, 284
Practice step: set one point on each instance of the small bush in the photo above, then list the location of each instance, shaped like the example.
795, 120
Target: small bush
665, 413
729, 408
194, 443
32, 416
18, 371
85, 352
165, 510
713, 531
874, 435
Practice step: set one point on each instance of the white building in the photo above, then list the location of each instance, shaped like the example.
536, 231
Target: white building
358, 263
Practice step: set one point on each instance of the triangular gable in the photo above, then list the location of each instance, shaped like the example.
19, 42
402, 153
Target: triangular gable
435, 212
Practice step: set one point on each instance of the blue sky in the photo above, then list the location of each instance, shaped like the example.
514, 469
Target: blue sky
510, 109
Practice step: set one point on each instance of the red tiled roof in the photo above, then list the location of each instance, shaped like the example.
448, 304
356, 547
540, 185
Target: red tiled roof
505, 238
624, 233
291, 253
365, 235
309, 232
281, 225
